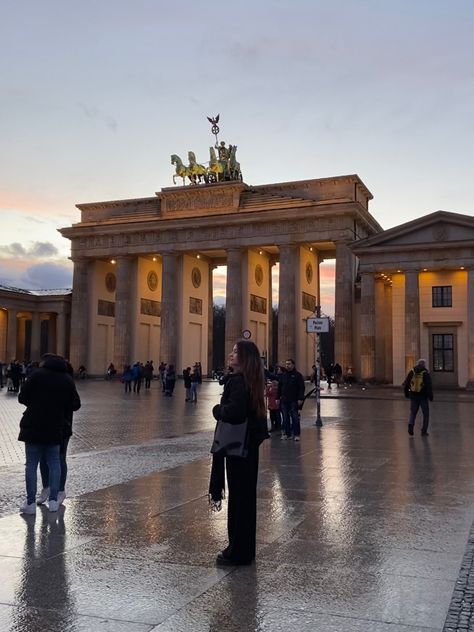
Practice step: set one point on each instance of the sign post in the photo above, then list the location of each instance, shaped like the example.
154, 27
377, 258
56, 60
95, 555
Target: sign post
317, 326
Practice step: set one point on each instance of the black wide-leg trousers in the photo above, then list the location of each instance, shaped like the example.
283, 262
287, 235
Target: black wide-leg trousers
242, 477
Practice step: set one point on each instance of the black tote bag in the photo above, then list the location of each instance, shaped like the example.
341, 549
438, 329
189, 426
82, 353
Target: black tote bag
230, 439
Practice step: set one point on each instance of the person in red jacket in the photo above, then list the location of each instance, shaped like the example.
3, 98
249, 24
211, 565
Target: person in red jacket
273, 405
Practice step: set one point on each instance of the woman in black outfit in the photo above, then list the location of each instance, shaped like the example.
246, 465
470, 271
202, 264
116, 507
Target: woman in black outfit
243, 398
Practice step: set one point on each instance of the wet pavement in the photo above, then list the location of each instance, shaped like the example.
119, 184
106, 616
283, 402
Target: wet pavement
360, 527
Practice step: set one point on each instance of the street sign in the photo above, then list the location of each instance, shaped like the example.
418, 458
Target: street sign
317, 325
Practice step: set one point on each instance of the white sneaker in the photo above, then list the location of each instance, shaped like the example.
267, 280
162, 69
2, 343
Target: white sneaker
297, 438
284, 437
28, 508
53, 505
43, 497
61, 497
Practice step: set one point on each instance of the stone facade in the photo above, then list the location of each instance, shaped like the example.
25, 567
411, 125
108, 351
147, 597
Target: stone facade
181, 235
416, 287
33, 323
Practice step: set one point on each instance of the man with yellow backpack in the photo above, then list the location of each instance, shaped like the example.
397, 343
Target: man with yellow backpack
419, 389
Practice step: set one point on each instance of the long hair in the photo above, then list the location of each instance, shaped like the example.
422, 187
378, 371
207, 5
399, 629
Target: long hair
251, 366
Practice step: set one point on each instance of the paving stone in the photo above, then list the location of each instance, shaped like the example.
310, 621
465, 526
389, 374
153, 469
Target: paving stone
359, 526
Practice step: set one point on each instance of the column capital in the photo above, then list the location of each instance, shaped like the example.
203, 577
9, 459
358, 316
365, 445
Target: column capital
235, 250
80, 259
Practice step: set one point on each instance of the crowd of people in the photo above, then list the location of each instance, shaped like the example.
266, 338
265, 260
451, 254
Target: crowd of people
250, 392
14, 374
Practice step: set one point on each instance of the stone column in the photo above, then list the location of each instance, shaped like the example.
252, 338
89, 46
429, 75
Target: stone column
61, 334
35, 337
210, 330
21, 342
79, 314
123, 307
12, 335
233, 301
169, 309
286, 303
271, 263
470, 326
52, 346
412, 319
367, 327
345, 267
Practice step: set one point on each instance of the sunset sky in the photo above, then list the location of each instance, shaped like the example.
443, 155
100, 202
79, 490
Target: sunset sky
95, 96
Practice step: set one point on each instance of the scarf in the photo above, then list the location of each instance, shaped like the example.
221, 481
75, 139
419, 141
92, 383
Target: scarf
217, 482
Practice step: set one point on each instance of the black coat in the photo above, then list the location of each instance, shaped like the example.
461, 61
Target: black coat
50, 397
427, 389
291, 386
235, 408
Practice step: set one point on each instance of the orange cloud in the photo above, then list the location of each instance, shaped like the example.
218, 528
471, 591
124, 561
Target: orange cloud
327, 280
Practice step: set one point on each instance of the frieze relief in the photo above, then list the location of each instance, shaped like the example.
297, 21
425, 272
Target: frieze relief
310, 228
197, 200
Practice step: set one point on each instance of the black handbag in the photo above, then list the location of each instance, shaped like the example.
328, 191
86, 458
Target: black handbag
230, 439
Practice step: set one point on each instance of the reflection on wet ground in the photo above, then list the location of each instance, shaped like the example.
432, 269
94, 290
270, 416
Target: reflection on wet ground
361, 527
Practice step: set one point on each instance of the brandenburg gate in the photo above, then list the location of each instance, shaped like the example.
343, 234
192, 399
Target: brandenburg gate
142, 286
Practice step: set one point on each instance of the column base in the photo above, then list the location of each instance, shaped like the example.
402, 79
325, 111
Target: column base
470, 385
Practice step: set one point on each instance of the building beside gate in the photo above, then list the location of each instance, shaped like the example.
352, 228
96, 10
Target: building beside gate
33, 322
142, 286
417, 300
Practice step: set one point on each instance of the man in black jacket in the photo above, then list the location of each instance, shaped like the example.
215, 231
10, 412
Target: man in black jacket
419, 389
50, 396
291, 395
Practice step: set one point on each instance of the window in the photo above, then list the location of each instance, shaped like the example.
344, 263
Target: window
442, 295
443, 352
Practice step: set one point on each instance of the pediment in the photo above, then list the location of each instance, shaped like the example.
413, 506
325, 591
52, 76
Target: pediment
437, 228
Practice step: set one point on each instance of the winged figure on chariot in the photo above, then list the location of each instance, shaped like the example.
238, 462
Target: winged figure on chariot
221, 167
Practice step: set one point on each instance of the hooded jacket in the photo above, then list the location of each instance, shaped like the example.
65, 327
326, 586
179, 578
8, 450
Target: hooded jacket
50, 397
427, 389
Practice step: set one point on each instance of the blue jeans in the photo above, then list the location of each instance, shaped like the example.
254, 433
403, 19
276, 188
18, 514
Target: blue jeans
415, 404
194, 394
291, 418
34, 452
44, 469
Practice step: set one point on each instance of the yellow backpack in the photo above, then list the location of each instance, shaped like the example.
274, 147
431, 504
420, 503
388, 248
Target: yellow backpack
416, 382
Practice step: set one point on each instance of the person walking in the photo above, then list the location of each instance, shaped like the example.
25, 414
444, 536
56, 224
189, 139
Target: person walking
111, 372
137, 373
127, 377
187, 382
44, 469
418, 387
273, 405
337, 374
50, 396
148, 373
242, 399
291, 392
170, 380
195, 380
329, 370
162, 372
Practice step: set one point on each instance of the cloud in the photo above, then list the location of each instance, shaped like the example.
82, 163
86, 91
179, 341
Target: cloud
37, 250
13, 250
43, 249
28, 218
94, 113
47, 276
